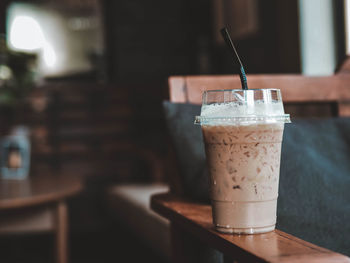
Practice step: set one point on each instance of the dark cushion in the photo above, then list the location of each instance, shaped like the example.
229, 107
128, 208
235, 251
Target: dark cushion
189, 148
314, 194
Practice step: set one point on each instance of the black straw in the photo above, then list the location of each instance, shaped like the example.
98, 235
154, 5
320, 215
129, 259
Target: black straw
229, 43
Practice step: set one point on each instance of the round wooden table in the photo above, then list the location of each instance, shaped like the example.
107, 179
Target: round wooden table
38, 204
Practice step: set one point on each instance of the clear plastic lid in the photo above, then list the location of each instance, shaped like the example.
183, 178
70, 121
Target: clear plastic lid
242, 107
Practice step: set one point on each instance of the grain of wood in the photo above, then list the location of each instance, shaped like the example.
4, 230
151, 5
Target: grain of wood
276, 246
294, 88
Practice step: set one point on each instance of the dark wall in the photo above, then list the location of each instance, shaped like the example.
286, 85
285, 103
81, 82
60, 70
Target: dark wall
150, 40
274, 48
146, 42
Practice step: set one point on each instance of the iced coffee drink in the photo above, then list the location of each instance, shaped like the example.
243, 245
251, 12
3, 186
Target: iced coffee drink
242, 133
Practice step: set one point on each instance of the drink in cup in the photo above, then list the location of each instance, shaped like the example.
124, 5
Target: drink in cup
242, 132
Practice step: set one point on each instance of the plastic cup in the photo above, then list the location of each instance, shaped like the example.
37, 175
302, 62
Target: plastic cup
242, 131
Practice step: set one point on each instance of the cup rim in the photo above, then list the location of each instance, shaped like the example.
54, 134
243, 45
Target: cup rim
218, 90
242, 120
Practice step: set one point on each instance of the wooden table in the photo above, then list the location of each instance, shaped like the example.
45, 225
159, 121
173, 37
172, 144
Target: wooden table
188, 217
38, 204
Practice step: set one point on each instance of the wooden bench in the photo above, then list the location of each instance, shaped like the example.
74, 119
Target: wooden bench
296, 89
193, 219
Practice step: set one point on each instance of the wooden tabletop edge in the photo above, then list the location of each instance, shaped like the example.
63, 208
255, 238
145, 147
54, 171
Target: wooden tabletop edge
159, 205
44, 198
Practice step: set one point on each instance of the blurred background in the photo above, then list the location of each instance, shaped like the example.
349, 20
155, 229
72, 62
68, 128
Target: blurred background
87, 79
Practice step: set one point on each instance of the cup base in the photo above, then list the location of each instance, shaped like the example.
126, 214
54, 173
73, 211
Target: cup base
245, 231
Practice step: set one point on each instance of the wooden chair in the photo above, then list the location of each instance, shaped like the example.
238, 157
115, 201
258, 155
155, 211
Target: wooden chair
189, 218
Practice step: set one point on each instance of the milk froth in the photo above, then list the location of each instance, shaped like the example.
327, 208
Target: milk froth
243, 109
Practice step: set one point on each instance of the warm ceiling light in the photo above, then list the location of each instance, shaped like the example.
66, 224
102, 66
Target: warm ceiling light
26, 34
